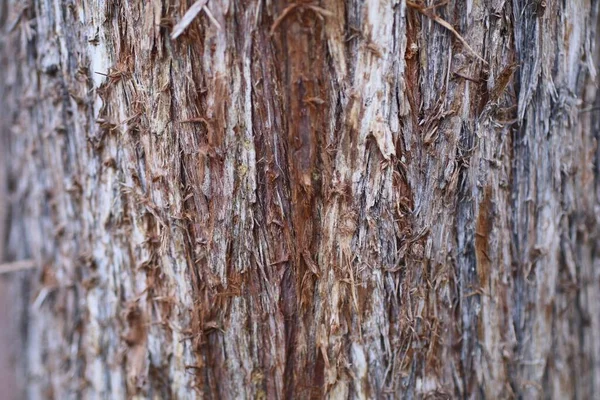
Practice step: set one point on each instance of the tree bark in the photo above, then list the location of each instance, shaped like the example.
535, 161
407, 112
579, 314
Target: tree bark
340, 199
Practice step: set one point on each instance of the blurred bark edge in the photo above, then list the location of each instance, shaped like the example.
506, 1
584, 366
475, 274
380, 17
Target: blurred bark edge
276, 199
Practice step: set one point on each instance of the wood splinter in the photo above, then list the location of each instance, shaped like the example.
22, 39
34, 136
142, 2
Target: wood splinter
190, 15
429, 14
16, 266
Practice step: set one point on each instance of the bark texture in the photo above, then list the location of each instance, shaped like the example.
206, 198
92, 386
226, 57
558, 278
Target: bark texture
341, 199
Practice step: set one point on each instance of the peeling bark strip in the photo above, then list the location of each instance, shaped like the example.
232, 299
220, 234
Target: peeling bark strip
334, 199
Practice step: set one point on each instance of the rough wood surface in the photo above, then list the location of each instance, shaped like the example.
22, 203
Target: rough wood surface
316, 199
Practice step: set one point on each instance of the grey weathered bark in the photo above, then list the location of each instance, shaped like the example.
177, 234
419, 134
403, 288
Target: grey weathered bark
337, 199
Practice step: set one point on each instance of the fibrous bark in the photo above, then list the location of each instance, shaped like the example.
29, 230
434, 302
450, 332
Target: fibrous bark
340, 199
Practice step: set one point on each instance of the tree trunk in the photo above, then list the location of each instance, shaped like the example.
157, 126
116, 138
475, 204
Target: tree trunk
340, 199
